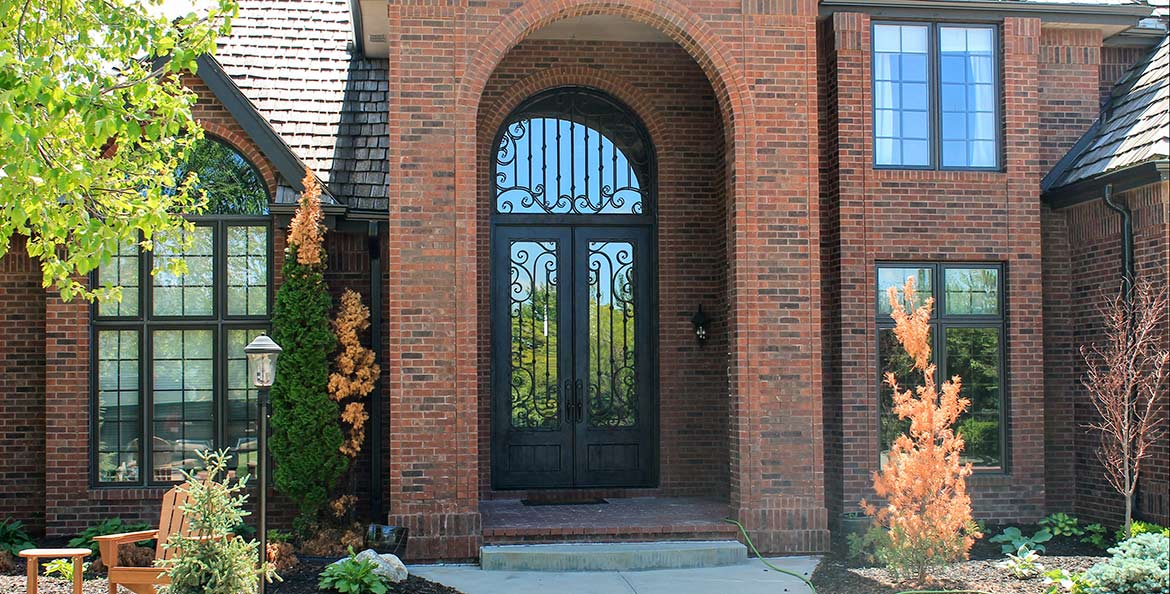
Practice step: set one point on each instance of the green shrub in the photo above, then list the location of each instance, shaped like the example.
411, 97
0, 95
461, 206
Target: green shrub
981, 438
13, 538
1062, 524
214, 560
1140, 565
1140, 527
353, 577
1013, 540
85, 540
306, 436
1097, 535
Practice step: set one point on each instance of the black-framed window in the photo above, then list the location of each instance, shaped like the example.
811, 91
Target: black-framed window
169, 372
936, 96
968, 335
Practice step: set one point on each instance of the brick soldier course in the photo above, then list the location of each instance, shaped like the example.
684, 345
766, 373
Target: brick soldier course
770, 214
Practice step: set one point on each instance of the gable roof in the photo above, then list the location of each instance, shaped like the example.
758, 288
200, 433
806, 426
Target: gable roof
293, 61
1133, 128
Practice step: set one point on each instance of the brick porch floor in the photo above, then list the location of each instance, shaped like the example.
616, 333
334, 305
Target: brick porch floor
625, 519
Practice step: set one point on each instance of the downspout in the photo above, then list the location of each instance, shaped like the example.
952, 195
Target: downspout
1127, 264
374, 244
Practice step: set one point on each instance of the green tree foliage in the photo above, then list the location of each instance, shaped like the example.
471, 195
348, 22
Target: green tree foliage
232, 185
306, 436
93, 128
213, 559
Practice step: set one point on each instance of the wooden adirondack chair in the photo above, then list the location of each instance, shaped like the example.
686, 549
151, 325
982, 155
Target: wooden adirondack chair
145, 580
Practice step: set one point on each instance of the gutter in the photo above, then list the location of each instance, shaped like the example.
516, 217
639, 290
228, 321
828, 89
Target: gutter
1112, 14
374, 243
1127, 263
355, 16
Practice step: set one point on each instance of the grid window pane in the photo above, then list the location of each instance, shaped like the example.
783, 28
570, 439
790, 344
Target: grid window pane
192, 293
974, 355
967, 96
969, 347
240, 426
120, 271
119, 421
901, 105
183, 400
896, 277
247, 270
972, 291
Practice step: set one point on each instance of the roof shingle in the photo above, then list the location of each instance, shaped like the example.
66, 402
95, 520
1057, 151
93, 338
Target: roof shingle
291, 58
1134, 126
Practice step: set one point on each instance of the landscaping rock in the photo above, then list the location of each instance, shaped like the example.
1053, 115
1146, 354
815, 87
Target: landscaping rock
389, 566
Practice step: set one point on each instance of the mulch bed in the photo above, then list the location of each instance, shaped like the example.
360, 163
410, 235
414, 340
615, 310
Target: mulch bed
300, 580
303, 580
837, 576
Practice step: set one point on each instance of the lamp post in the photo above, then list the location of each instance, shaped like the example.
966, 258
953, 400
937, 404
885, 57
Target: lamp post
262, 354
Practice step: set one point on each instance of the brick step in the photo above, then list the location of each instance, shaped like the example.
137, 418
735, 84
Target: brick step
599, 533
620, 556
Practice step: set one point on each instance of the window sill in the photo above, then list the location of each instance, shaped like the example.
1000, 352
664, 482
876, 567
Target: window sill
135, 493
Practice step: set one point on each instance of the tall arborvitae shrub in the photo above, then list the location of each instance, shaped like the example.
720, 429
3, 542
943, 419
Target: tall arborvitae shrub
305, 437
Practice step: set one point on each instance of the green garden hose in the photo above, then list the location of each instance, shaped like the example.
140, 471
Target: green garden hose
765, 561
809, 583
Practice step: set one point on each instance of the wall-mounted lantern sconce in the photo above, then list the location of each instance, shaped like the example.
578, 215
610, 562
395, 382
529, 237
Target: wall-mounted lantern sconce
700, 321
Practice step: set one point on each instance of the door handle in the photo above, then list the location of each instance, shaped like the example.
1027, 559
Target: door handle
579, 404
569, 401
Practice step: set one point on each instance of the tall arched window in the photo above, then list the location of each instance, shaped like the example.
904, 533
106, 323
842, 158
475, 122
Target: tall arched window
169, 375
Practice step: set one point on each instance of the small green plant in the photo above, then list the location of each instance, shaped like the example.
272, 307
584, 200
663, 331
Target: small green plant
63, 569
351, 576
1024, 564
863, 548
1062, 581
1062, 524
1013, 540
214, 560
279, 536
1140, 527
1097, 535
13, 538
244, 530
85, 540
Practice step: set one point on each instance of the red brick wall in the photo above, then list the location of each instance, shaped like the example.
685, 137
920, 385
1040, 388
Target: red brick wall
22, 385
891, 215
1091, 233
441, 59
669, 90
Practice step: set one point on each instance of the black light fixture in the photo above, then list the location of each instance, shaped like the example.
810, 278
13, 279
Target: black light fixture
262, 353
700, 321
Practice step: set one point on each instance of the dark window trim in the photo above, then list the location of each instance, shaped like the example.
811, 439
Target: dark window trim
934, 89
146, 323
939, 322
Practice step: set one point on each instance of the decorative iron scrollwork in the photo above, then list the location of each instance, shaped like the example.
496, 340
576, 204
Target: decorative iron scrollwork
612, 392
534, 320
572, 151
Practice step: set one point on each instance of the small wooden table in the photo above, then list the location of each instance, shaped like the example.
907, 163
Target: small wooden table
34, 557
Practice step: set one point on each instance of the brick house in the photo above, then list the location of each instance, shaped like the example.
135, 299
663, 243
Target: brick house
538, 198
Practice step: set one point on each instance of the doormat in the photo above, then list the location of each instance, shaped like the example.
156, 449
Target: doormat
564, 501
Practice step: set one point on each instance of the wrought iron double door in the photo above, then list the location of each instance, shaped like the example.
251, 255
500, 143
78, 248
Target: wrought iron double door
573, 352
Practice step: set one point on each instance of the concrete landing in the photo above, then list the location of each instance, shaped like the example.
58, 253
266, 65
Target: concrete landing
622, 556
750, 577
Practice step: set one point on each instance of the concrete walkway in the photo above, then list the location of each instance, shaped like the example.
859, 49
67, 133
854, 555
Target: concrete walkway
746, 578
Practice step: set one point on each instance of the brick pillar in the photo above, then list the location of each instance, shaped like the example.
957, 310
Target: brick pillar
775, 287
431, 388
67, 419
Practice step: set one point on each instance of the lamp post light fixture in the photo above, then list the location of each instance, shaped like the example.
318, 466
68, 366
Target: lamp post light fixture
700, 322
262, 354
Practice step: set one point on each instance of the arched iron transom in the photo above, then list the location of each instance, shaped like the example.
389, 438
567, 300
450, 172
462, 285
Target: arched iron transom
573, 150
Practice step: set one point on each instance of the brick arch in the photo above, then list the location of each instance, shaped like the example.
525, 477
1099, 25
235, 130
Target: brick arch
637, 100
233, 137
670, 17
